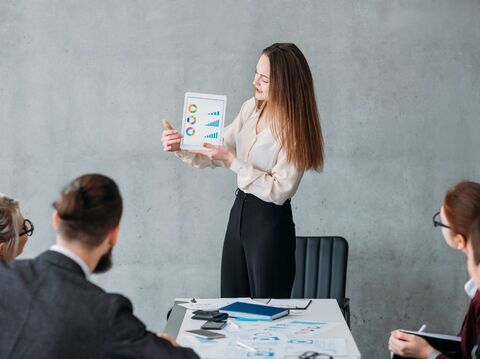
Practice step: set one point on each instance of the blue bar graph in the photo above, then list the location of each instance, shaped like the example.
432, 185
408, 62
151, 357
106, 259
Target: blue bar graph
213, 123
212, 135
215, 113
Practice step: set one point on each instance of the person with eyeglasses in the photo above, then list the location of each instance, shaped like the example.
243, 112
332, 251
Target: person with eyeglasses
14, 229
473, 267
457, 218
275, 138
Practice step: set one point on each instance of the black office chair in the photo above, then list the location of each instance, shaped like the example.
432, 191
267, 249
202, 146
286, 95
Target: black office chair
321, 270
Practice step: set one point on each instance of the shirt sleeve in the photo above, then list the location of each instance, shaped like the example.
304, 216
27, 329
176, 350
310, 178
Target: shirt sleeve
229, 139
275, 186
436, 355
128, 337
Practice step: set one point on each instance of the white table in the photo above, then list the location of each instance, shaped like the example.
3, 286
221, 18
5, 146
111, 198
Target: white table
325, 310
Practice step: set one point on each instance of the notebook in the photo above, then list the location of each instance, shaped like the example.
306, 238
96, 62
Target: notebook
254, 311
446, 344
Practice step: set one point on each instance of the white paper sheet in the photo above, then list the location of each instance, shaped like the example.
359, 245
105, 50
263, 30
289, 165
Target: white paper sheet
270, 339
335, 347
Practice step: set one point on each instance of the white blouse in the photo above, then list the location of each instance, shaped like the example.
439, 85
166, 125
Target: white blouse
261, 164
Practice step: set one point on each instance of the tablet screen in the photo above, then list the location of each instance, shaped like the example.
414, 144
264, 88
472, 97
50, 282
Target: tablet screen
203, 120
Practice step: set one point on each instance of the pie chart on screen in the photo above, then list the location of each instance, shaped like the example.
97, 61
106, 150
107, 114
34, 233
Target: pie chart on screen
191, 119
192, 108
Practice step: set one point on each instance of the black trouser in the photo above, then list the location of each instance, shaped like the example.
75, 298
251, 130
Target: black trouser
258, 257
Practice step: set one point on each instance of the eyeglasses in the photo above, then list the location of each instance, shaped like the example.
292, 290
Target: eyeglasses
27, 228
437, 222
314, 355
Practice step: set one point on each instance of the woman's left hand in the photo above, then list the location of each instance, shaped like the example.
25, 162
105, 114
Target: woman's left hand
409, 345
217, 153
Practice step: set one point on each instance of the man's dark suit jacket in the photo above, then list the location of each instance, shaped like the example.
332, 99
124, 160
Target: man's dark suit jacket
48, 309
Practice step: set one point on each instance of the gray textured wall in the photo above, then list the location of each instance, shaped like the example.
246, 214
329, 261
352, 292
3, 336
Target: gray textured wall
84, 85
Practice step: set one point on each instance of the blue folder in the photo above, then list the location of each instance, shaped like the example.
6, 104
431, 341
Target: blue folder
254, 311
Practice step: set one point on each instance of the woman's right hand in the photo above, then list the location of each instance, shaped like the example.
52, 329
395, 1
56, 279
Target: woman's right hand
409, 345
170, 138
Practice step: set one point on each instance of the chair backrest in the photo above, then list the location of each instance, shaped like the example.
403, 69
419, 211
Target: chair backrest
321, 267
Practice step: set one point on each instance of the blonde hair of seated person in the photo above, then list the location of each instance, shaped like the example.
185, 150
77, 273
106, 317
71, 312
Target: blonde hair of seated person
11, 219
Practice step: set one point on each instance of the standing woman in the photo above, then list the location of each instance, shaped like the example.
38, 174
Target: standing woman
274, 139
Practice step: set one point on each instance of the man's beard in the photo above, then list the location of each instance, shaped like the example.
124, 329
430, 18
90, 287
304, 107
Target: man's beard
105, 263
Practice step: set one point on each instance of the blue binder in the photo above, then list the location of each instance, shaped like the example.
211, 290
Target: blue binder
254, 311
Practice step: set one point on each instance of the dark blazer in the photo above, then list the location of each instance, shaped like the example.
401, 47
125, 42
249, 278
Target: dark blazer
470, 328
48, 309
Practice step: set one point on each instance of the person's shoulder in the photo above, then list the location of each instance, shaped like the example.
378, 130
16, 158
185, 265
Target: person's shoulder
111, 304
102, 306
18, 279
18, 267
119, 301
6, 271
248, 109
249, 106
250, 102
117, 312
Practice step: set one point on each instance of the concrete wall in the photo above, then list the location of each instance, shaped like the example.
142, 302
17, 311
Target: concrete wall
84, 86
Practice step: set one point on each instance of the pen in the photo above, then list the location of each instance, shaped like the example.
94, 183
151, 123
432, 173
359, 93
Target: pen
422, 328
246, 346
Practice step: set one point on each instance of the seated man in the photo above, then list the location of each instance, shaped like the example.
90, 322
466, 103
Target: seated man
48, 306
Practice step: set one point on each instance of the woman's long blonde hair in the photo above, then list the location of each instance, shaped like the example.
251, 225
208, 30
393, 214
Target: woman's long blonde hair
9, 227
291, 103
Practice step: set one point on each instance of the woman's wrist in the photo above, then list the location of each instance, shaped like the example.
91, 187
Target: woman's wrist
231, 157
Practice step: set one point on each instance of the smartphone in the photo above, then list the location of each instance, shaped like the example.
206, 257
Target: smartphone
211, 325
205, 334
209, 315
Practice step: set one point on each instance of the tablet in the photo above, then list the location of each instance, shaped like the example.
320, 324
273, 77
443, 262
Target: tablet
203, 120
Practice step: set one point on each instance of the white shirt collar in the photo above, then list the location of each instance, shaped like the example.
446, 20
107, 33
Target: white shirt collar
73, 256
470, 288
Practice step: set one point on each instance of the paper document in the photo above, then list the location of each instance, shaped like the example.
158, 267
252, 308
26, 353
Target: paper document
334, 347
277, 339
290, 328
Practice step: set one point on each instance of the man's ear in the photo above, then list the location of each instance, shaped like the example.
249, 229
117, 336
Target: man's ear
112, 237
55, 219
460, 242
